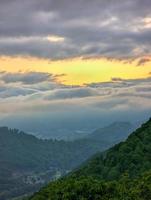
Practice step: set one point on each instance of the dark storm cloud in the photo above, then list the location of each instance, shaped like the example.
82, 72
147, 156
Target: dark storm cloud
112, 28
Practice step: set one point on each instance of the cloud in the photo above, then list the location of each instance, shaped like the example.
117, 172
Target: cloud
116, 79
72, 93
53, 106
142, 61
26, 77
51, 91
27, 84
61, 29
9, 92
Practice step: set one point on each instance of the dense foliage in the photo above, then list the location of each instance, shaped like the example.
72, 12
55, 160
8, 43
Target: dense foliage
133, 156
121, 173
93, 189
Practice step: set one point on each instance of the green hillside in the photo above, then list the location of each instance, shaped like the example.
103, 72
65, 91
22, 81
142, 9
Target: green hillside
92, 189
132, 156
121, 173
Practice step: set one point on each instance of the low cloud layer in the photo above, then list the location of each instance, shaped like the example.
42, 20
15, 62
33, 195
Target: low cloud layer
49, 103
26, 77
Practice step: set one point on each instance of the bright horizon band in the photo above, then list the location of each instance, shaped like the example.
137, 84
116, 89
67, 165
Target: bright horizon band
78, 71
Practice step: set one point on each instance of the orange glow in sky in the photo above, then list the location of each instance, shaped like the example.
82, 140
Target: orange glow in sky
78, 71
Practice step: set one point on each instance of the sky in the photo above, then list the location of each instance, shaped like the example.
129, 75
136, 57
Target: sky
80, 63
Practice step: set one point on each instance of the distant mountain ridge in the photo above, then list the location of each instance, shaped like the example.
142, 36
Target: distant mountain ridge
114, 133
29, 162
26, 162
53, 128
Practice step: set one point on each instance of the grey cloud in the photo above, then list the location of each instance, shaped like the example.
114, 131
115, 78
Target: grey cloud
9, 92
144, 89
143, 61
26, 77
119, 88
108, 104
26, 83
92, 28
46, 86
60, 105
129, 88
72, 93
116, 79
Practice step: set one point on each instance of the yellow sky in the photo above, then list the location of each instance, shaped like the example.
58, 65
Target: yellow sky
78, 71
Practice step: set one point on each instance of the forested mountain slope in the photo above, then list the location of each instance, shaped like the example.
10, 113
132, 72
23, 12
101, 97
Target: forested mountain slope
132, 156
122, 172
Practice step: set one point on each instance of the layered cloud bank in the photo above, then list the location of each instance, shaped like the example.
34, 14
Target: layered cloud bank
49, 100
61, 29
